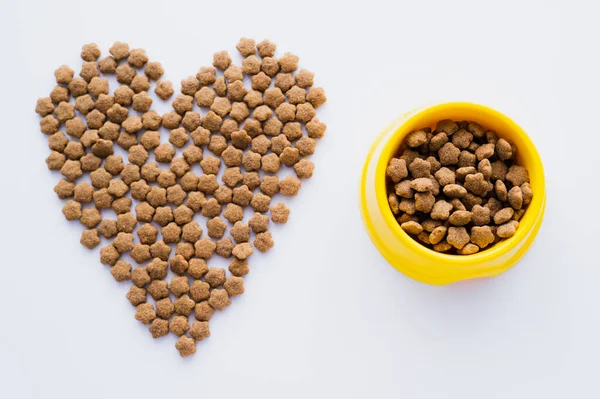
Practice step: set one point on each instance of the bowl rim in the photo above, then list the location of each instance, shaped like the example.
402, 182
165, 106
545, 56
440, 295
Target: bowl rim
529, 218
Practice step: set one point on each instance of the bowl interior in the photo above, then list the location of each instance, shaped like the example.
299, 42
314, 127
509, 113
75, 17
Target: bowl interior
490, 119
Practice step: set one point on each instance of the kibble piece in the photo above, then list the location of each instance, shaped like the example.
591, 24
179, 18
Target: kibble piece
158, 289
221, 60
485, 151
416, 138
480, 216
223, 194
457, 237
286, 112
468, 249
109, 255
157, 268
204, 248
154, 70
517, 175
145, 313
239, 111
482, 236
216, 227
179, 325
316, 96
438, 234
64, 111
121, 271
205, 97
264, 241
508, 229
412, 227
224, 247
305, 112
503, 150
200, 330
164, 89
306, 146
64, 75
441, 210
186, 346
123, 242
125, 74
71, 170
304, 169
185, 249
424, 202
60, 94
476, 184
136, 295
49, 124
219, 299
159, 328
251, 180
55, 160
289, 186
242, 250
527, 193
75, 127
503, 215
208, 184
460, 218
240, 232
316, 128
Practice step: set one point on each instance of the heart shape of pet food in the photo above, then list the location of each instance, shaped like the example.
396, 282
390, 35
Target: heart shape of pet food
253, 131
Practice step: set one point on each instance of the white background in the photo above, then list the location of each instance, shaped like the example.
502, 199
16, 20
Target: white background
323, 315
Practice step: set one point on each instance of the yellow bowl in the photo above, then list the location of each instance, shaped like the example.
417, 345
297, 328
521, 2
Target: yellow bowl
416, 260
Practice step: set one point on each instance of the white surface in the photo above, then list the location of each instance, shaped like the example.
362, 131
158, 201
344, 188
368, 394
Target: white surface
323, 314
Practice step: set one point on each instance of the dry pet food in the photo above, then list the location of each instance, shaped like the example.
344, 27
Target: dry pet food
458, 188
157, 222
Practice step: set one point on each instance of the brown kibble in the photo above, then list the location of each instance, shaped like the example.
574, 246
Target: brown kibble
203, 311
306, 146
64, 75
468, 249
49, 124
159, 328
125, 74
264, 241
527, 193
517, 175
482, 236
164, 89
462, 139
441, 210
121, 271
200, 330
89, 238
204, 248
424, 202
145, 313
216, 227
503, 150
457, 237
233, 213
480, 216
242, 250
449, 154
503, 215
421, 184
158, 289
186, 346
179, 325
438, 234
64, 111
219, 299
412, 227
224, 247
477, 184
240, 232
109, 255
123, 242
416, 138
515, 198
157, 268
55, 160
460, 218
508, 229
136, 295
304, 169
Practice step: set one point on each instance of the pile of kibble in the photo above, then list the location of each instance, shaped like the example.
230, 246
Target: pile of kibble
457, 189
240, 139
